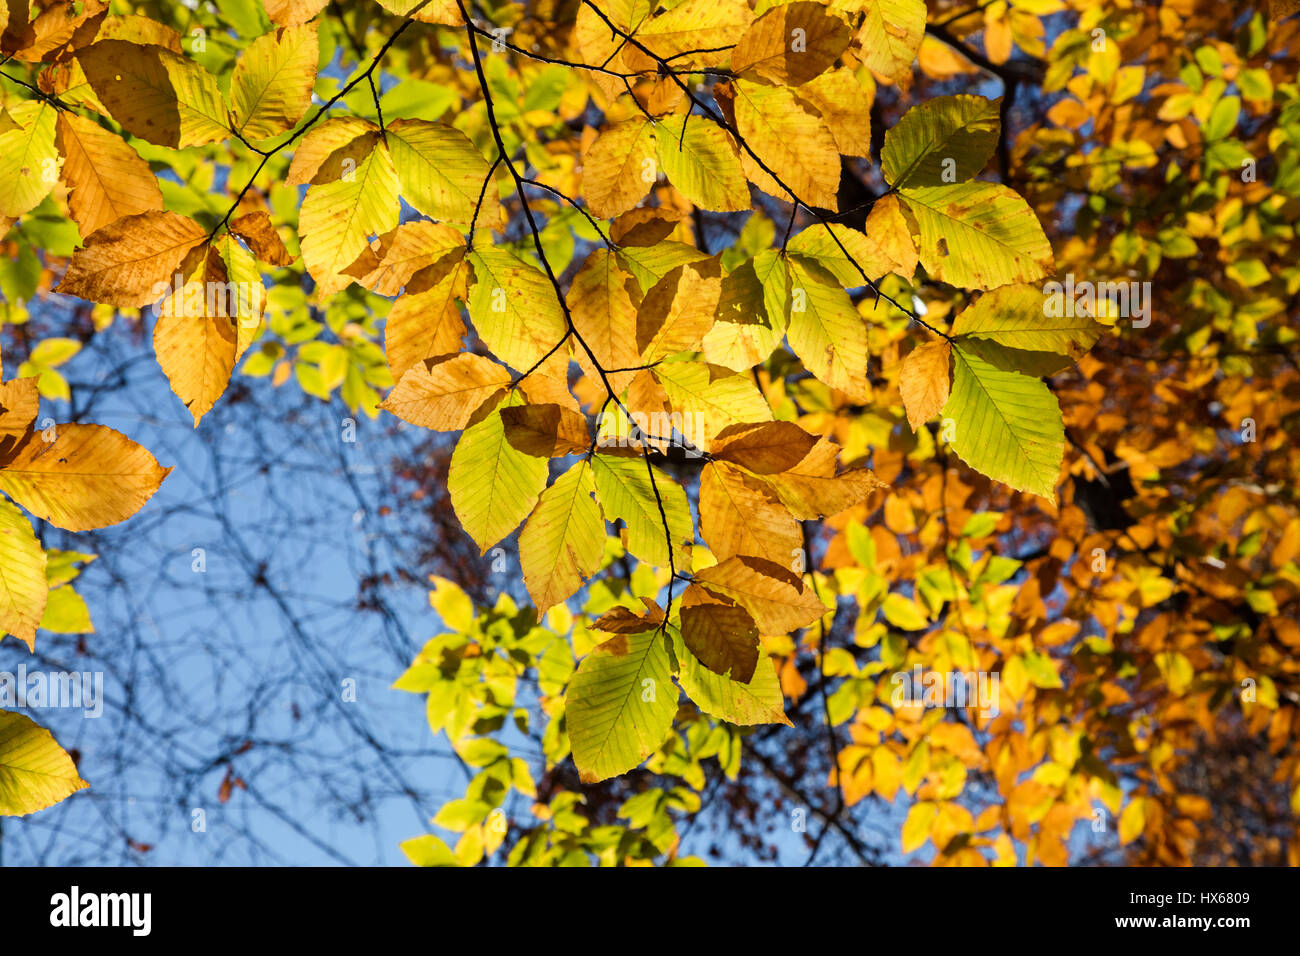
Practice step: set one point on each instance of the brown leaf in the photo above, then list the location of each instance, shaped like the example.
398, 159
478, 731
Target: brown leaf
721, 634
547, 431
130, 263
764, 448
255, 228
778, 599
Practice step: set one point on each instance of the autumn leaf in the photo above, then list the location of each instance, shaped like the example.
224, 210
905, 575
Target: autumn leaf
130, 262
563, 541
923, 382
620, 705
445, 394
720, 634
947, 139
195, 337
700, 159
765, 49
1005, 424
978, 235
35, 772
493, 485
23, 588
775, 597
107, 177
271, 86
87, 477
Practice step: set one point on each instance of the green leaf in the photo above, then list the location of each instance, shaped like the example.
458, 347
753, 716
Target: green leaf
564, 541
493, 485
441, 172
826, 330
1016, 316
620, 705
978, 235
758, 702
428, 850
514, 308
947, 139
23, 587
627, 495
699, 158
35, 772
1007, 425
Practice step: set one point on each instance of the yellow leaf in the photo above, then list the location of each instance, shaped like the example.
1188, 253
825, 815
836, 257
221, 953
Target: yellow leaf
792, 143
270, 89
603, 301
891, 34
292, 13
339, 217
515, 309
628, 493
441, 172
700, 160
812, 489
741, 514
618, 168
29, 160
916, 828
88, 477
709, 398
777, 598
23, 588
678, 311
826, 330
493, 486
107, 177
321, 152
695, 25
845, 107
445, 395
1132, 821
392, 261
35, 772
791, 44
427, 323
195, 337
564, 540
978, 235
19, 403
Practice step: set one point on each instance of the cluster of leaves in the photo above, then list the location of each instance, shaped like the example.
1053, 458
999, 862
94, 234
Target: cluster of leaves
529, 210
